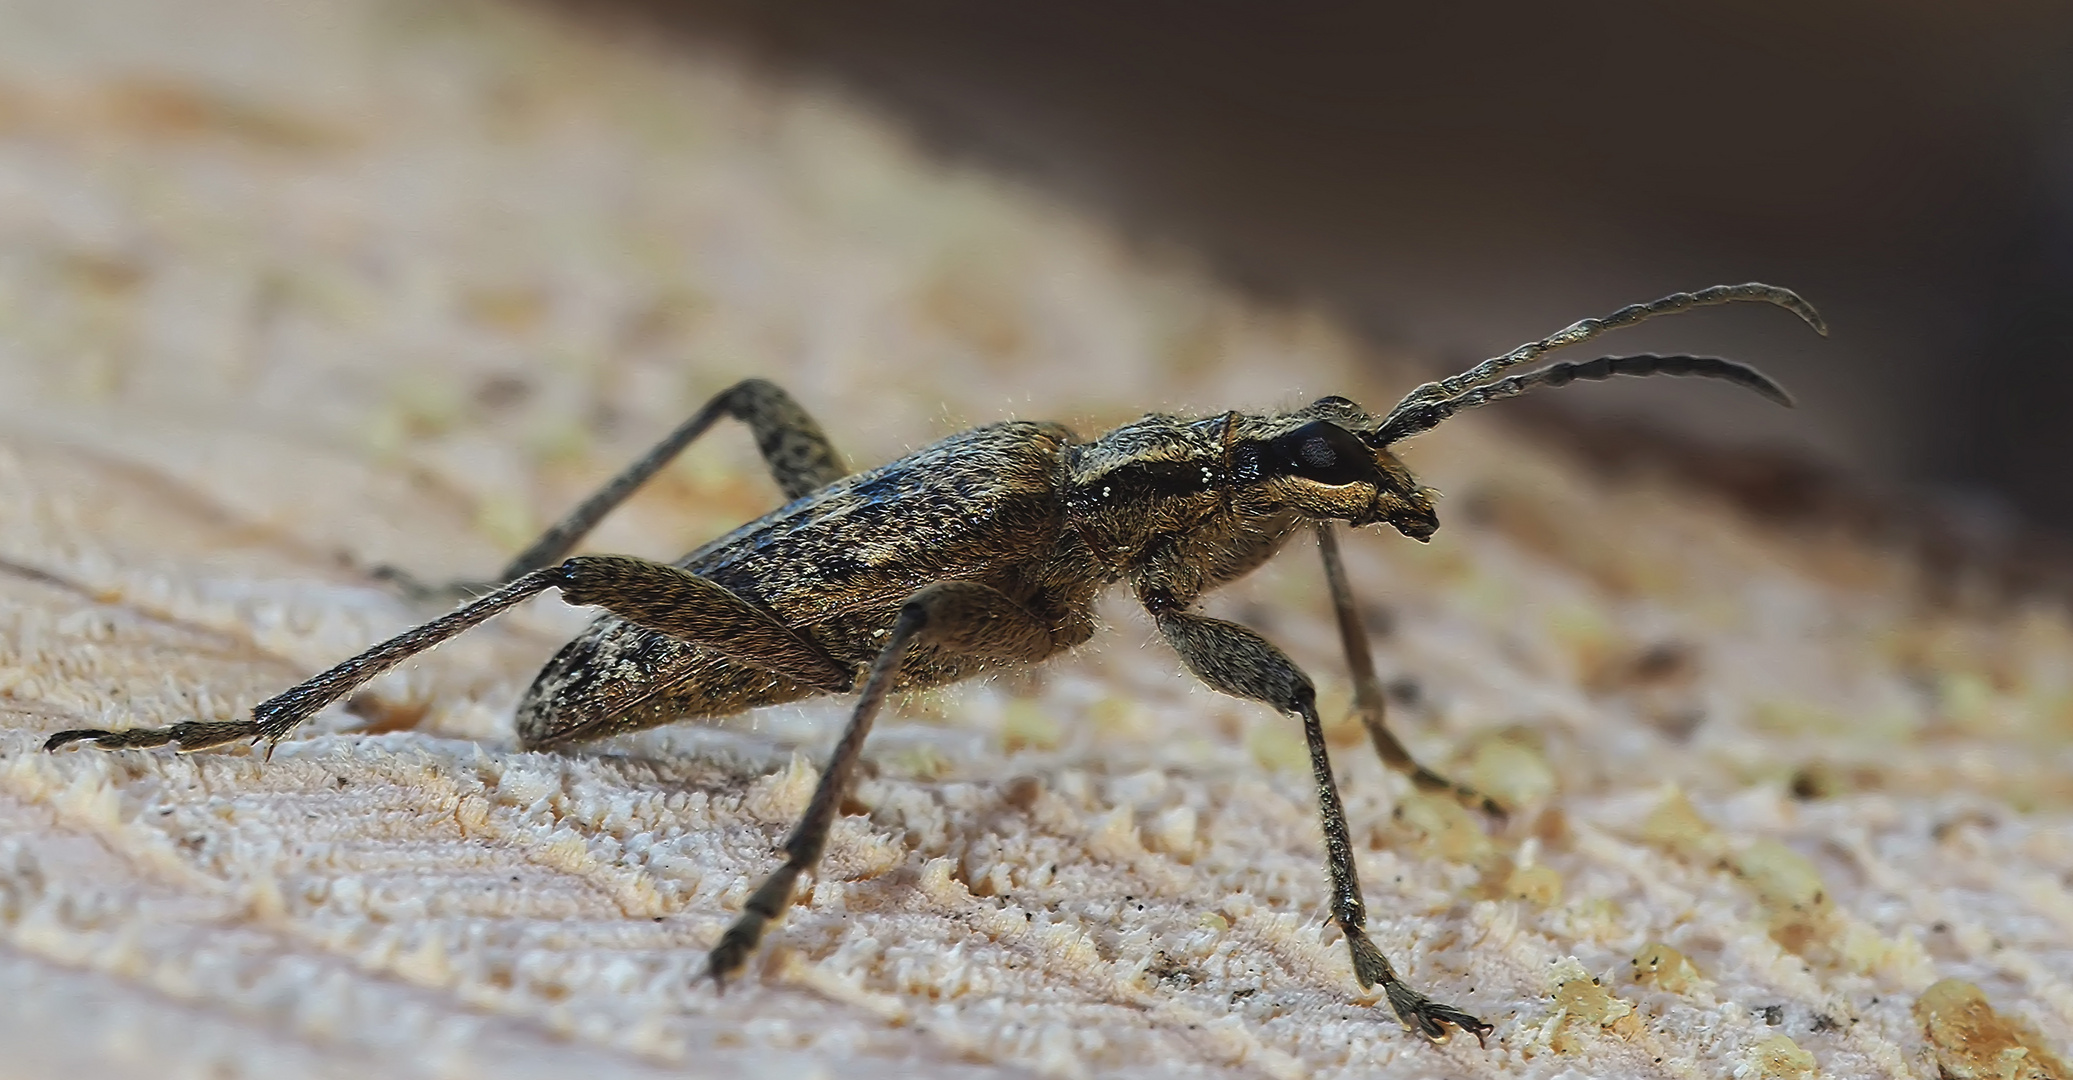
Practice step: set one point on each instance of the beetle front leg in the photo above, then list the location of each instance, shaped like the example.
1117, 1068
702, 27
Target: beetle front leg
954, 616
1236, 661
1369, 703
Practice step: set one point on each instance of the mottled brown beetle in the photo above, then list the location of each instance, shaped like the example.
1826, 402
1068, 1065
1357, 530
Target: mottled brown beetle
982, 551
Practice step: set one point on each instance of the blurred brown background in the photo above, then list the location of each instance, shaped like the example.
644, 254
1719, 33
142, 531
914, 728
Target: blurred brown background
1459, 177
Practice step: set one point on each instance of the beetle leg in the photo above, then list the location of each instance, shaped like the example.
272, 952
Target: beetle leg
1239, 662
1368, 700
954, 616
674, 601
800, 457
662, 597
276, 716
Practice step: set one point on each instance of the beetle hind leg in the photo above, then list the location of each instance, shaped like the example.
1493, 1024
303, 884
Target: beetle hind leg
797, 451
277, 716
187, 735
680, 646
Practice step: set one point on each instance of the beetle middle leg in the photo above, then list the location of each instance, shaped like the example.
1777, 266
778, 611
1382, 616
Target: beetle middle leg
1239, 662
953, 616
1368, 700
797, 451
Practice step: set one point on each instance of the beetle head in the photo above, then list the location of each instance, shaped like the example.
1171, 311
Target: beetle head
1331, 460
1313, 462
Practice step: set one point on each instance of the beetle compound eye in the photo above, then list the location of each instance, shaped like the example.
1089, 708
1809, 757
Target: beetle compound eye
1324, 452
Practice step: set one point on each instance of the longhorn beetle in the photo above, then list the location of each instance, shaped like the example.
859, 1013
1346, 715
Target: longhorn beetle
984, 551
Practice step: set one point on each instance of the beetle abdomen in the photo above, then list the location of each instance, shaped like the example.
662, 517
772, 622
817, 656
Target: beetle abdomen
834, 566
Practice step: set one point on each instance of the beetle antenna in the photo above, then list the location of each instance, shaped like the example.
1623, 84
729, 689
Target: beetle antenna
1419, 417
1584, 330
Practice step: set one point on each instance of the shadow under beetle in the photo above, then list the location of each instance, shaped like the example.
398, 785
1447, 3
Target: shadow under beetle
982, 551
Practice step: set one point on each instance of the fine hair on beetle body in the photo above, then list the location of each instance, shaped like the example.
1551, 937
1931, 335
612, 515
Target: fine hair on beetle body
985, 550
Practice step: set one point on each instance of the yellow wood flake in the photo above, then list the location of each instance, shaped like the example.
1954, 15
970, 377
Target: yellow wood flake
1973, 1042
1802, 916
1676, 826
1778, 1058
1441, 826
1662, 966
1582, 1001
1512, 772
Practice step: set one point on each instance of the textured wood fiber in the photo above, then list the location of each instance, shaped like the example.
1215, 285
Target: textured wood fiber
290, 290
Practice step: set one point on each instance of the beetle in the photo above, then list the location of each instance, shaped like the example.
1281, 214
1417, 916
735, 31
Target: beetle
986, 550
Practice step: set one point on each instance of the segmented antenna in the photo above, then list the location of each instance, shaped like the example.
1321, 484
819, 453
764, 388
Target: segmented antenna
1408, 420
1449, 389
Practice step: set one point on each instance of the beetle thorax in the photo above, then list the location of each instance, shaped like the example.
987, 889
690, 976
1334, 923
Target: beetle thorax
1144, 482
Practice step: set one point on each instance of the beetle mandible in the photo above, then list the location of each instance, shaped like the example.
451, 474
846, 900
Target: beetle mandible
982, 551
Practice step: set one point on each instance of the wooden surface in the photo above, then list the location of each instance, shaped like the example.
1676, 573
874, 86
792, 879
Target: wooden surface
290, 291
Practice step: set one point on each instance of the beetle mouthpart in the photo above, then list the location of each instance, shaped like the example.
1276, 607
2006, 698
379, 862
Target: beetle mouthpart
1412, 517
1419, 527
